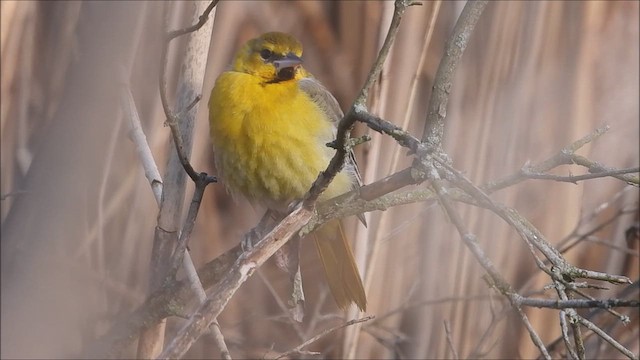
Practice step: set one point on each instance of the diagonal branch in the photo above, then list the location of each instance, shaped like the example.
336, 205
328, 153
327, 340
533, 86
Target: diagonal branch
290, 225
346, 124
243, 268
443, 81
324, 333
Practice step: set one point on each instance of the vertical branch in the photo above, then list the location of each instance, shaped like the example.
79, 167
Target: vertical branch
443, 82
358, 107
166, 235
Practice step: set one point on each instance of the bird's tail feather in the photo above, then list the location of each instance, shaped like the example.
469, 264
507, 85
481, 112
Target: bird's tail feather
340, 266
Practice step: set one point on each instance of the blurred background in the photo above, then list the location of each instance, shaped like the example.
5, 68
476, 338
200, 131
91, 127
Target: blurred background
78, 215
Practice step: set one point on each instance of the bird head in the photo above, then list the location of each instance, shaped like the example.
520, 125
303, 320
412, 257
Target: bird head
273, 56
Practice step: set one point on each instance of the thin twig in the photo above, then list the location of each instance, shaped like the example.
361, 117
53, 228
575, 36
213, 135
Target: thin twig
196, 286
450, 341
595, 168
603, 334
290, 320
573, 316
623, 318
562, 157
565, 335
346, 123
470, 241
417, 304
172, 118
246, 265
142, 146
575, 178
230, 283
12, 194
195, 27
324, 333
530, 234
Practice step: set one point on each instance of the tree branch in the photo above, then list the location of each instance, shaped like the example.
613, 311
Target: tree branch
324, 333
231, 281
443, 81
346, 123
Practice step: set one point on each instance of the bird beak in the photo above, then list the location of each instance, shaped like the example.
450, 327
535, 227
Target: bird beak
289, 61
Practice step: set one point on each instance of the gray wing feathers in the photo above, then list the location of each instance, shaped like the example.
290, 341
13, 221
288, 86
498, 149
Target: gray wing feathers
321, 96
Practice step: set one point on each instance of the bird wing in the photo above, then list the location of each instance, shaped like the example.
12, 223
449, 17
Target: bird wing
329, 105
323, 98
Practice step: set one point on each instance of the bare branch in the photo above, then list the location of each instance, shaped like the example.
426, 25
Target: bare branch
562, 157
346, 124
195, 27
470, 241
236, 276
450, 341
565, 335
172, 118
603, 334
443, 82
142, 147
577, 303
595, 168
575, 178
167, 257
12, 194
324, 333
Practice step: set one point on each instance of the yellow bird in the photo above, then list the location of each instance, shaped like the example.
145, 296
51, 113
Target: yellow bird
270, 121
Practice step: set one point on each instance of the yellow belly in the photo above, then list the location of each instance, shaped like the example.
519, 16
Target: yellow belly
270, 140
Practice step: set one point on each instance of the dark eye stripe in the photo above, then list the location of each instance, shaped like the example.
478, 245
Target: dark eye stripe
265, 54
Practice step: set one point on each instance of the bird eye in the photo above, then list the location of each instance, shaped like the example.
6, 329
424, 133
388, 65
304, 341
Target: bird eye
265, 54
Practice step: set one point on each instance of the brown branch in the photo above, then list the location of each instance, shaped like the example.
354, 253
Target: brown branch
170, 299
595, 168
195, 27
245, 266
575, 178
172, 118
577, 303
324, 333
603, 334
185, 235
175, 291
417, 304
472, 244
562, 157
166, 256
564, 329
450, 340
572, 314
140, 141
12, 194
532, 236
177, 294
629, 291
231, 281
562, 272
347, 122
443, 81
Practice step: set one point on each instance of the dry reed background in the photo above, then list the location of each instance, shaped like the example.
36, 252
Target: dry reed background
77, 233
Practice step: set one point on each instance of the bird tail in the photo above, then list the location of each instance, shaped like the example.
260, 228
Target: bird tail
340, 266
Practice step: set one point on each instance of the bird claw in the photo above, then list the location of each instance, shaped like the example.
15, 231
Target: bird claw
248, 240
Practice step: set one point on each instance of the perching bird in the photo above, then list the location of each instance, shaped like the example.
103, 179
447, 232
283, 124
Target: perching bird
270, 121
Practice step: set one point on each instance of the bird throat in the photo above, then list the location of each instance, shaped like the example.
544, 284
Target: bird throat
285, 74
